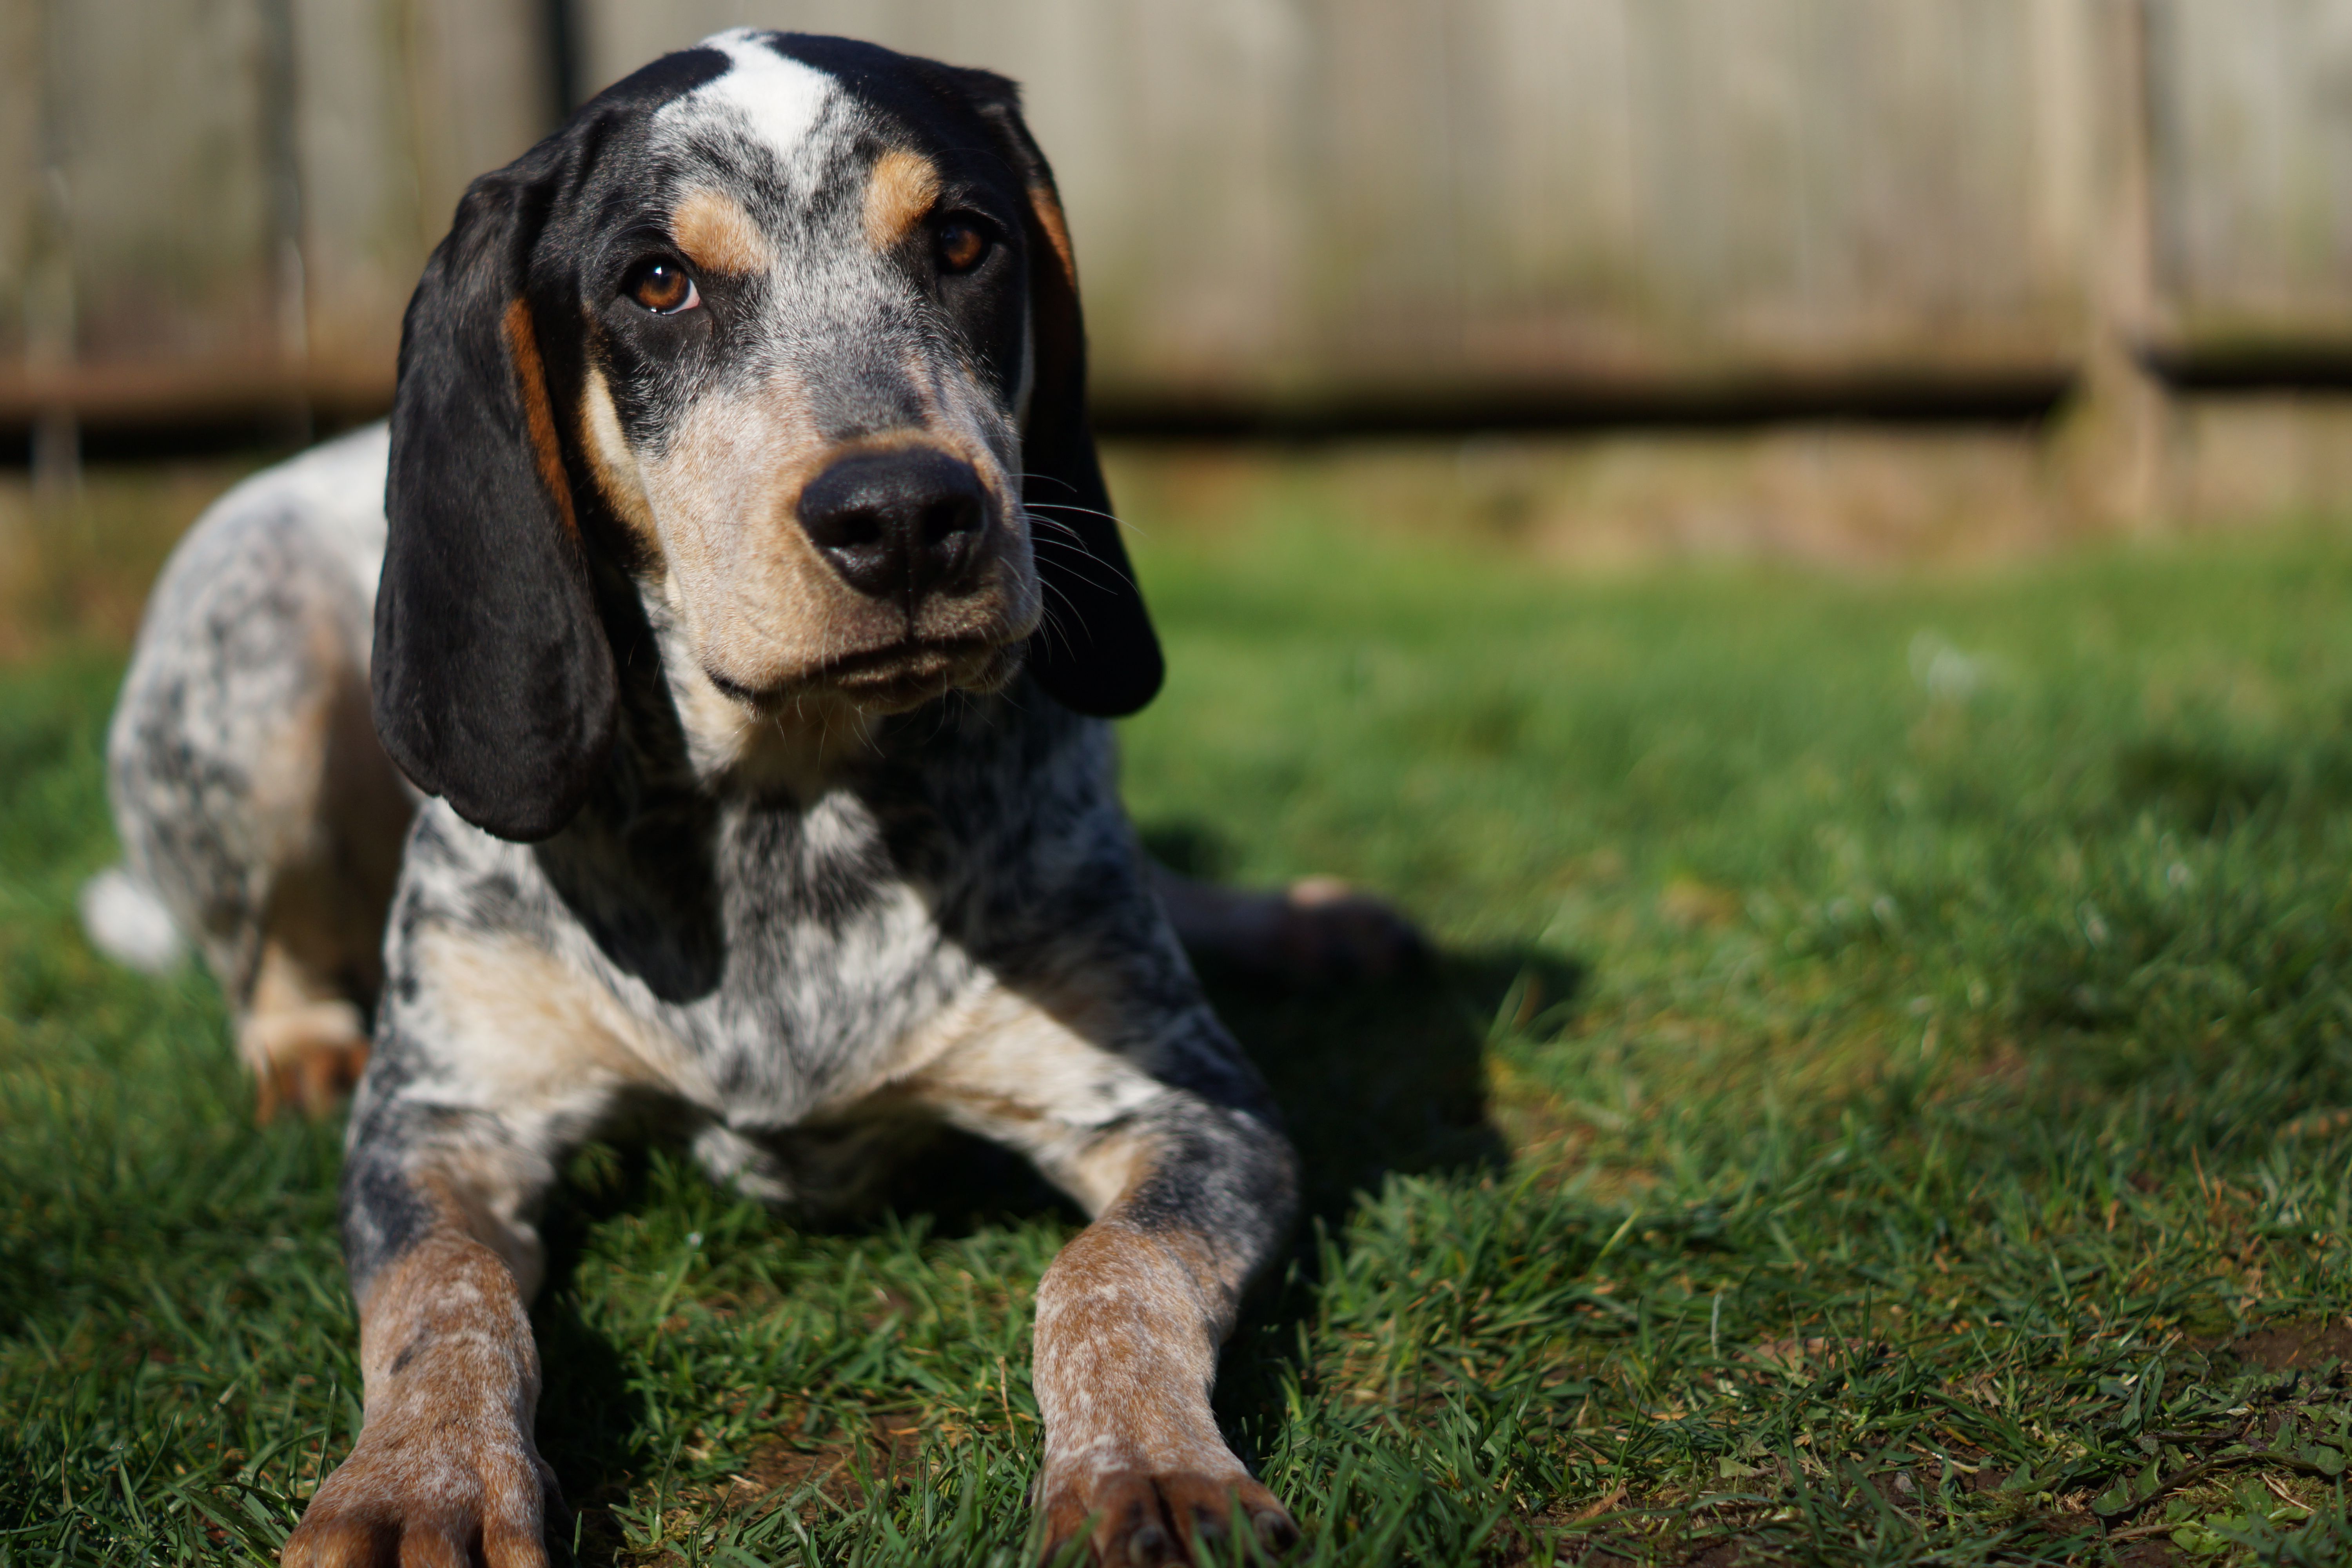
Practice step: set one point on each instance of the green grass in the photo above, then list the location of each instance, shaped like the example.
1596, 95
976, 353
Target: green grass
1887, 1098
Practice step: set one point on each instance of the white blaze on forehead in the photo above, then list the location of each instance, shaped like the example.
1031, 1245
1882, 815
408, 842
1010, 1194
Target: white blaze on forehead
778, 101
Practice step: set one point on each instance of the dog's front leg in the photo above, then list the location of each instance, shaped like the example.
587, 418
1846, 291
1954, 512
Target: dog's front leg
444, 1471
1129, 1319
1194, 1190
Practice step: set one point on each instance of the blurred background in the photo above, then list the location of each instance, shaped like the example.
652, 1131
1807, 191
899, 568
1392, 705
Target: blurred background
1845, 279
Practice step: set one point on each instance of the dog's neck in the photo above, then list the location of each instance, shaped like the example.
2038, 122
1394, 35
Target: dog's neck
802, 746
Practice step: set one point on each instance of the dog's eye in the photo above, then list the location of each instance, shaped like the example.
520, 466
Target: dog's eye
961, 246
663, 288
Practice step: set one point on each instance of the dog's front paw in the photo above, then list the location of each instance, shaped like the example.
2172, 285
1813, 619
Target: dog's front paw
1177, 1516
432, 1487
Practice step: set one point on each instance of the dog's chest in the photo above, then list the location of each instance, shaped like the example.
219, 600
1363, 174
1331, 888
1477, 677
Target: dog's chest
797, 954
838, 952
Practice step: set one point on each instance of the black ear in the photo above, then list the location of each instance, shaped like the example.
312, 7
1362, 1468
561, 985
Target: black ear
1096, 652
493, 678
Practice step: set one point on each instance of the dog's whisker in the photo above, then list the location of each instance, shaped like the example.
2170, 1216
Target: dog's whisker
1083, 510
1092, 561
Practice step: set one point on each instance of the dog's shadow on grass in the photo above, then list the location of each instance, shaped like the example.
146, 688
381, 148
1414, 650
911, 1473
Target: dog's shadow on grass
1374, 1077
1377, 1079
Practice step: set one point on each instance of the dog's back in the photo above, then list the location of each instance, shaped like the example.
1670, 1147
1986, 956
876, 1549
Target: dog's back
260, 819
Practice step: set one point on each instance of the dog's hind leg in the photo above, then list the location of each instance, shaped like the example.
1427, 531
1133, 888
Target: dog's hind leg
1317, 932
303, 1029
254, 800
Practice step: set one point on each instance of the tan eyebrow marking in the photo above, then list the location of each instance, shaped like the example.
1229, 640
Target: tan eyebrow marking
539, 418
718, 235
901, 192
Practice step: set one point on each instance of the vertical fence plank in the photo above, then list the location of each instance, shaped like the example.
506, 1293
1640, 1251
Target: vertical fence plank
21, 100
481, 89
2253, 151
363, 227
168, 181
1547, 194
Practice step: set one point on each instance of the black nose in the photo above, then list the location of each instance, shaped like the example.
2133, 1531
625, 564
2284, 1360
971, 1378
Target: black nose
897, 523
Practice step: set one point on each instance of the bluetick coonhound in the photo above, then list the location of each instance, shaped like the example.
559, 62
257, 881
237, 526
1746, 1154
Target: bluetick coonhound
741, 609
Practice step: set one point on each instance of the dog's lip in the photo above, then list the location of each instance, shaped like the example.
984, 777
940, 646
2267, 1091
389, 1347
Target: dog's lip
899, 669
913, 650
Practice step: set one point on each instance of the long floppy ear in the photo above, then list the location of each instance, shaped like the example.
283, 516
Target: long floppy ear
493, 678
1096, 652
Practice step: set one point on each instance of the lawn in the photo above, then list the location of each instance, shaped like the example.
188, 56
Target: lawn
1885, 1095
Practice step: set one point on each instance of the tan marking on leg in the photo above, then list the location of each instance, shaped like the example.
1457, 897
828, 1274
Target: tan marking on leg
539, 418
532, 1031
444, 1465
717, 235
898, 195
322, 823
1006, 1067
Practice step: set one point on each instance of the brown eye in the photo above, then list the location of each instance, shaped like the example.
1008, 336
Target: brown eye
663, 288
961, 246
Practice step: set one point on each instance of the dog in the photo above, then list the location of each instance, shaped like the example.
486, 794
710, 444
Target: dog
689, 714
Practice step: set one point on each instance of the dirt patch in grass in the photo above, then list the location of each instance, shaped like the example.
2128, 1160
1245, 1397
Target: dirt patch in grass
2296, 1347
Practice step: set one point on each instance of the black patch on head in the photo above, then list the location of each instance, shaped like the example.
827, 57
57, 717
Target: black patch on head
651, 86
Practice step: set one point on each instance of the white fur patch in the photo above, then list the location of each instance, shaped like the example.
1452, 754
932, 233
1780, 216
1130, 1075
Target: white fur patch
778, 101
129, 923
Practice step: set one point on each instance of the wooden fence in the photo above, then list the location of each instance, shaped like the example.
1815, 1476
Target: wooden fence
1284, 208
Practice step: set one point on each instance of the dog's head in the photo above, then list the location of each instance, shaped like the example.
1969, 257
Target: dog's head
788, 328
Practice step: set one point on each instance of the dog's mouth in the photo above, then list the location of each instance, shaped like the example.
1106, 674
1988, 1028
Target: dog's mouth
895, 678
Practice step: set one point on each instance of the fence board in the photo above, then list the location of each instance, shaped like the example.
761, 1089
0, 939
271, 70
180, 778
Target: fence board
166, 167
21, 44
2251, 123
363, 219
